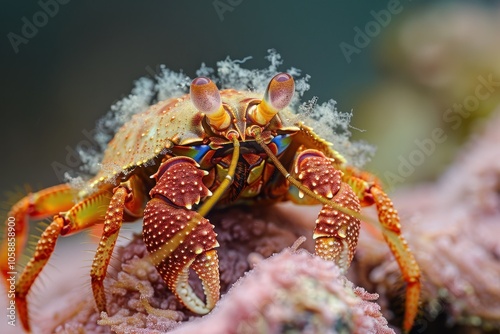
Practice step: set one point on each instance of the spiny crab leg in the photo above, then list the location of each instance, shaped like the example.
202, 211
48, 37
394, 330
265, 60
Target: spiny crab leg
84, 214
391, 229
38, 205
367, 187
179, 238
128, 198
112, 225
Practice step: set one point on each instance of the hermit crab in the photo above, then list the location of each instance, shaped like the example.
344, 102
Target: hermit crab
183, 156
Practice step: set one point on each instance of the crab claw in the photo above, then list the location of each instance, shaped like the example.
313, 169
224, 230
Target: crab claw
336, 233
187, 239
178, 238
180, 181
278, 95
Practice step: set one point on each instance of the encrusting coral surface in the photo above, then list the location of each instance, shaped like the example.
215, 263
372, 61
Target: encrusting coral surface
291, 291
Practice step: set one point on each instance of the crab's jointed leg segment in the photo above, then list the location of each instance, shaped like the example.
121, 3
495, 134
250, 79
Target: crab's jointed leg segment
128, 198
336, 233
179, 238
368, 189
43, 251
38, 205
112, 225
88, 212
389, 219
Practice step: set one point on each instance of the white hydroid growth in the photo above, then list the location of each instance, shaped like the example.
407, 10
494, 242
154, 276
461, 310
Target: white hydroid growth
326, 120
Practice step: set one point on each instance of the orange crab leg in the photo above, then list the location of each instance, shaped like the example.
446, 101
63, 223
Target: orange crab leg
112, 225
38, 205
368, 189
128, 199
189, 239
389, 219
43, 251
88, 212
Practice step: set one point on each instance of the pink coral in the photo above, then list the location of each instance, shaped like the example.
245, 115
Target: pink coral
293, 291
290, 290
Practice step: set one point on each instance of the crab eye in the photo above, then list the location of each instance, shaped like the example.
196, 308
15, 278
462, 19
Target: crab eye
205, 95
278, 95
206, 98
279, 92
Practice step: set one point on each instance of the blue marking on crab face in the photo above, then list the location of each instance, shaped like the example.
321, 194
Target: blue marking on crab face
196, 152
199, 152
282, 142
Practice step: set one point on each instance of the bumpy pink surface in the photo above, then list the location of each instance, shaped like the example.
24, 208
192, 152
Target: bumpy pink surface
453, 228
288, 290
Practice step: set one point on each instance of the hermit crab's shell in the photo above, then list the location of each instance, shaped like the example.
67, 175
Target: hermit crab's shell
171, 122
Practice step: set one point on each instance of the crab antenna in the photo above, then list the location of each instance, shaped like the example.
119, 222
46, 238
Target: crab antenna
206, 98
278, 95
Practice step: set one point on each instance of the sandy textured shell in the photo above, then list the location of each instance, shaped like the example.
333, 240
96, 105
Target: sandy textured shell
150, 133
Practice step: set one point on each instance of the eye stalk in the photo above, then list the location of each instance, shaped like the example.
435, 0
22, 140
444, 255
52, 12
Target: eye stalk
206, 98
278, 95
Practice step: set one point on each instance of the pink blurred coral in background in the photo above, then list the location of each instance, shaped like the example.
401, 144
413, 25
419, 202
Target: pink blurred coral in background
453, 228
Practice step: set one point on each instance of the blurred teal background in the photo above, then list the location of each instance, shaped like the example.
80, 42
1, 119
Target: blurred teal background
88, 54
